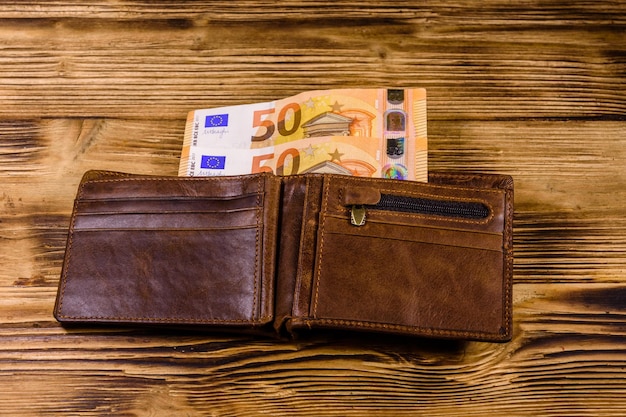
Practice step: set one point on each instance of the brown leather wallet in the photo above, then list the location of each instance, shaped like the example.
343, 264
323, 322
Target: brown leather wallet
287, 254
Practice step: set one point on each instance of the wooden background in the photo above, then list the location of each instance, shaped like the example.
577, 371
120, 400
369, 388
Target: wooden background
531, 88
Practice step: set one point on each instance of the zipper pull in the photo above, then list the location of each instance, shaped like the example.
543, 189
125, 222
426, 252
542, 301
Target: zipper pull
357, 198
357, 215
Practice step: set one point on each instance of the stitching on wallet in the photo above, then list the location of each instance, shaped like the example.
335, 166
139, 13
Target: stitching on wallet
504, 181
260, 320
80, 195
321, 245
429, 185
256, 252
508, 230
303, 230
400, 327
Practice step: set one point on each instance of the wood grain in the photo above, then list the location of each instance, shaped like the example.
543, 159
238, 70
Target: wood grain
533, 89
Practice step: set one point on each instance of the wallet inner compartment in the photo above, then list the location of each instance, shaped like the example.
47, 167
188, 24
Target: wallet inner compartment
155, 276
180, 252
427, 259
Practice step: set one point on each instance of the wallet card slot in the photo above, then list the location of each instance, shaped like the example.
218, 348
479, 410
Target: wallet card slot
411, 286
216, 220
170, 277
146, 187
169, 204
424, 233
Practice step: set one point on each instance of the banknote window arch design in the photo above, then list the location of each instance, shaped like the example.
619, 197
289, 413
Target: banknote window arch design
395, 121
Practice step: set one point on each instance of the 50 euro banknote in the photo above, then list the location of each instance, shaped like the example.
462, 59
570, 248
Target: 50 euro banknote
363, 132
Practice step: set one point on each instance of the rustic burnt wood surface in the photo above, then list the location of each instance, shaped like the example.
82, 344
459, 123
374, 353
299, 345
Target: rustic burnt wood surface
531, 88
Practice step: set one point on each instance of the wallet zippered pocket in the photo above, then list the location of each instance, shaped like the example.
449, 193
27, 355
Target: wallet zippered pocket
420, 205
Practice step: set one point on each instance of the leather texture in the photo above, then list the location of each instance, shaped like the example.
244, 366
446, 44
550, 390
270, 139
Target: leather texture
167, 250
281, 255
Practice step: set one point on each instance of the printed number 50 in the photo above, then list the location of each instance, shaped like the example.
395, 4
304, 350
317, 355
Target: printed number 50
280, 162
269, 126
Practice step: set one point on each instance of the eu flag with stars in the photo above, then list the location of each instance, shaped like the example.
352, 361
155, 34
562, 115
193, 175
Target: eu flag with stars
216, 120
212, 162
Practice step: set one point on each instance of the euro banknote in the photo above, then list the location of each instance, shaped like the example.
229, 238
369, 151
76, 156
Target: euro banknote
363, 132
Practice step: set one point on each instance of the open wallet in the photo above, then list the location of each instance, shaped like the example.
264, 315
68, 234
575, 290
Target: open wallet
284, 255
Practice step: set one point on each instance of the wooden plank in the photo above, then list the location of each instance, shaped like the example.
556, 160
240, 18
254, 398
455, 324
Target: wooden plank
162, 68
553, 162
566, 358
555, 13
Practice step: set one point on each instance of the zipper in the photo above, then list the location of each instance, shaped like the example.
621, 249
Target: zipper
418, 205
